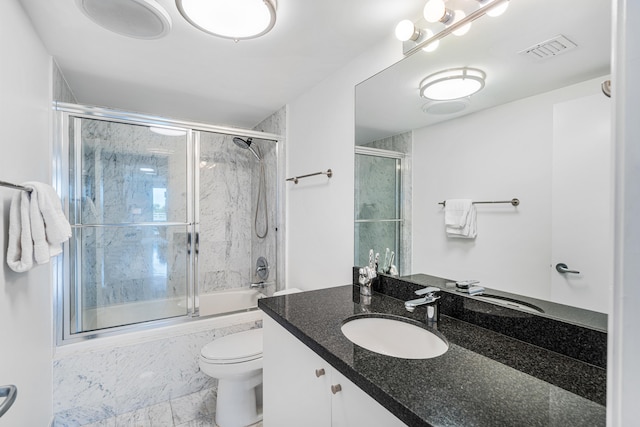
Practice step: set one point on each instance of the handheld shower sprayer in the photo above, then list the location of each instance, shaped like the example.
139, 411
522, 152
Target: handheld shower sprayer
262, 190
246, 144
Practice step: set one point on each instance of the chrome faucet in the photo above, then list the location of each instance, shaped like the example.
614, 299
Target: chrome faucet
368, 273
260, 285
430, 299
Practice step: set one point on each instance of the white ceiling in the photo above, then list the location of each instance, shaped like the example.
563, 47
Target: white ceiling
195, 76
492, 45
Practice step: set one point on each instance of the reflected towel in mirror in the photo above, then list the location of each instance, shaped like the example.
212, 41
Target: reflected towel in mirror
460, 218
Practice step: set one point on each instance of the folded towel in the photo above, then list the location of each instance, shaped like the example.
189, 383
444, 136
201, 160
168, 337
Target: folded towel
57, 227
460, 218
20, 247
37, 227
456, 212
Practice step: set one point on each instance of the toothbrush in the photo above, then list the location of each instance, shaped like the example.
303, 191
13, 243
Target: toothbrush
385, 265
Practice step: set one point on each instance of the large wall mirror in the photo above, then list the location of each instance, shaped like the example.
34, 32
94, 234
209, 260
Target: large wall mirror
539, 131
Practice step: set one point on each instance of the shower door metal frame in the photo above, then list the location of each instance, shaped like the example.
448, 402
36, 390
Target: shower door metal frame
61, 268
378, 152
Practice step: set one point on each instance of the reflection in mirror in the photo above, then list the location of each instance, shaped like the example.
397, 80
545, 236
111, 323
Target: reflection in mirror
539, 130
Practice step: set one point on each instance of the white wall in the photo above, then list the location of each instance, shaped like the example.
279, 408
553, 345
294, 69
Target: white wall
25, 299
624, 347
320, 136
495, 154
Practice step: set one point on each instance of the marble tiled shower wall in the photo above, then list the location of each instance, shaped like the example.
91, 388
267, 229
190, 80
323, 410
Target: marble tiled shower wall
226, 207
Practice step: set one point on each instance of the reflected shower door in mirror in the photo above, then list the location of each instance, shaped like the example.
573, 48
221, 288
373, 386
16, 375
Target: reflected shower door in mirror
128, 191
379, 211
501, 142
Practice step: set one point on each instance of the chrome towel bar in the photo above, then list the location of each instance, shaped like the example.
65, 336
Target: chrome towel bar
15, 186
514, 202
295, 179
10, 392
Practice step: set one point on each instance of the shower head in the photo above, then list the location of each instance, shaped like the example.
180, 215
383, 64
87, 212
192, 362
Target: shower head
246, 144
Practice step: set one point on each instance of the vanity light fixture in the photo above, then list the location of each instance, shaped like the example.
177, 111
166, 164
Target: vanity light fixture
454, 83
436, 11
496, 11
406, 30
230, 19
436, 14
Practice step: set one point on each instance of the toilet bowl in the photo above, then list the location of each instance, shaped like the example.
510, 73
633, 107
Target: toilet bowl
236, 361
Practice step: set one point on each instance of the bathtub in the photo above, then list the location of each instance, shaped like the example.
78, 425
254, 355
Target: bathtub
228, 301
211, 304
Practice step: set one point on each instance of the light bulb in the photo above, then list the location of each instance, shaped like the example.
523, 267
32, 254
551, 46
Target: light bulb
434, 10
498, 10
405, 30
460, 15
433, 45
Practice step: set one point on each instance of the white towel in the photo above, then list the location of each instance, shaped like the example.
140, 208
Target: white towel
460, 218
37, 227
20, 248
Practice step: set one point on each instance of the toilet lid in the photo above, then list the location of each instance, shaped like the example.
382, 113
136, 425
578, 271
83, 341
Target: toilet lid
235, 348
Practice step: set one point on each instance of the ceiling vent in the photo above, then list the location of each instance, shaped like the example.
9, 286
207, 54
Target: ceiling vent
549, 48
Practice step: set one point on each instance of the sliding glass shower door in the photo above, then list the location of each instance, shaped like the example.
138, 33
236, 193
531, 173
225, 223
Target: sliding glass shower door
129, 209
378, 208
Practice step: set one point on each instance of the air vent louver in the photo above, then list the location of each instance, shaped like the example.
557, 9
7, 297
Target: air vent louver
549, 48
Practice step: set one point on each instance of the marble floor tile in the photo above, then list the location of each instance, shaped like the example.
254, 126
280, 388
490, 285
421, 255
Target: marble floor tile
153, 416
200, 422
109, 422
193, 406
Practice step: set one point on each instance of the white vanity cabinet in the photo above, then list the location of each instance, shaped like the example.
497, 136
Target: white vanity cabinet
302, 389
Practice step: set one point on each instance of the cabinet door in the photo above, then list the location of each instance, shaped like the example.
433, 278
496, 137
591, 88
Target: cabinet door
293, 395
353, 407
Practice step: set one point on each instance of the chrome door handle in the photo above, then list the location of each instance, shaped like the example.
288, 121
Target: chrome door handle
10, 392
563, 269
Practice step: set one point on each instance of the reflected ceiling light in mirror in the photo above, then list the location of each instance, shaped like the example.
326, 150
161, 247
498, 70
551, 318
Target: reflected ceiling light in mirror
446, 107
433, 45
459, 16
454, 83
230, 19
496, 11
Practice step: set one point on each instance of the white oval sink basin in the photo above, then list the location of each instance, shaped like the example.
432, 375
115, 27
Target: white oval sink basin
394, 338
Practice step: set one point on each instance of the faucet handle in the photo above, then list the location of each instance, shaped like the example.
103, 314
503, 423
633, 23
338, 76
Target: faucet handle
427, 290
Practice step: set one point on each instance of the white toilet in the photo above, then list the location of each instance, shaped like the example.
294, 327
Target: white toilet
236, 360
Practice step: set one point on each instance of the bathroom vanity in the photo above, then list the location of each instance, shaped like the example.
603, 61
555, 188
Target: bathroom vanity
485, 378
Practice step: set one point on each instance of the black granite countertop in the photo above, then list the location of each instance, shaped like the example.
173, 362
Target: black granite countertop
484, 379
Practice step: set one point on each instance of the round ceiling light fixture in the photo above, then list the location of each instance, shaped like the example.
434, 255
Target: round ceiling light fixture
140, 19
446, 107
230, 19
454, 83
